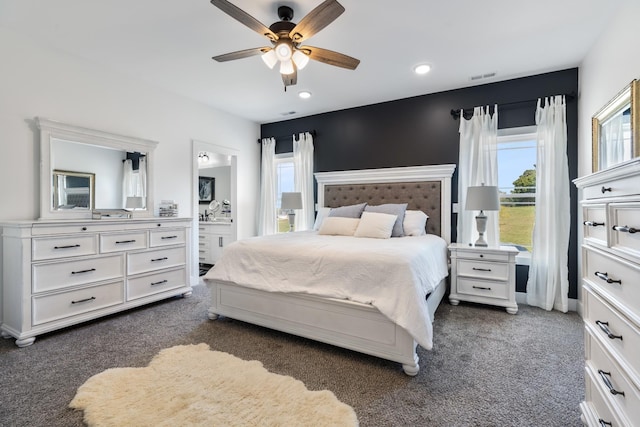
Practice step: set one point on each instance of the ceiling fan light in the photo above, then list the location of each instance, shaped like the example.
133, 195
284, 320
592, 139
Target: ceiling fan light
270, 58
300, 59
286, 67
283, 51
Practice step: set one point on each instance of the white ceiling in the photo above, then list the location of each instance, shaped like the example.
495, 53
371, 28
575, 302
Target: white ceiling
169, 43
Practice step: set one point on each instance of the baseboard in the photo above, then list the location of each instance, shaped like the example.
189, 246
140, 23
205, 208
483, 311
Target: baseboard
573, 305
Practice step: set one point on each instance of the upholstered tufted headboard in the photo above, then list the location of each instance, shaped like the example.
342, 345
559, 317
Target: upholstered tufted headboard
426, 188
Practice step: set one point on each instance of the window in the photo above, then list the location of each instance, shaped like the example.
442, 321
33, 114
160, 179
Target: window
284, 183
517, 183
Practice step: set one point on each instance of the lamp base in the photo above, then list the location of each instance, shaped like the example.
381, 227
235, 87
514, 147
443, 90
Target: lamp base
481, 225
292, 221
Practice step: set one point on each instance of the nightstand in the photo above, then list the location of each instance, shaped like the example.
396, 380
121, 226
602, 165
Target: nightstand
485, 275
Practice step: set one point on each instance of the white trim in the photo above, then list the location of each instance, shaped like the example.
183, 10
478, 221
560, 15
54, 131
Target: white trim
442, 173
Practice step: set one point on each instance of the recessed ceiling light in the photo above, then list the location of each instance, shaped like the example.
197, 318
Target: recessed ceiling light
305, 94
422, 69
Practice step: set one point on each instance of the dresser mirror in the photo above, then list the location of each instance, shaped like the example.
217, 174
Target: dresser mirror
83, 170
616, 129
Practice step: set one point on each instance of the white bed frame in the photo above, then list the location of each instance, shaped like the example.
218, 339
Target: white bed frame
347, 324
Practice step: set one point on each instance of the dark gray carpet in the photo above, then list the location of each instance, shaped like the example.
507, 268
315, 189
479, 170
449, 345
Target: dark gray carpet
488, 368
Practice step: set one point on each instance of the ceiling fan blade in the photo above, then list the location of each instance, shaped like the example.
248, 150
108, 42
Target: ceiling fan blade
241, 54
316, 20
330, 57
240, 15
290, 79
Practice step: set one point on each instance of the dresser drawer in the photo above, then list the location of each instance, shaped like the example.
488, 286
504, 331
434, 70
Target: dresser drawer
143, 286
615, 188
595, 223
609, 377
67, 304
598, 403
63, 247
614, 329
167, 237
483, 270
625, 229
616, 278
58, 275
495, 290
142, 262
116, 242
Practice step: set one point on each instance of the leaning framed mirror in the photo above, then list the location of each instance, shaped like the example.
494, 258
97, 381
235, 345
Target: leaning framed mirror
616, 129
73, 190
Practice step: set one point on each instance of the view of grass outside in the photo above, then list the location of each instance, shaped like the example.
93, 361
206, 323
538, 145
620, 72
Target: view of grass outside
516, 225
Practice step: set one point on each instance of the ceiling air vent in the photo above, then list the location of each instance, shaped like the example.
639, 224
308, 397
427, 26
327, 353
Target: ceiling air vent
482, 76
288, 113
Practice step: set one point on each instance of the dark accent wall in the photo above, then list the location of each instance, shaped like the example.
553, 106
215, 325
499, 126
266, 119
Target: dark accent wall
421, 131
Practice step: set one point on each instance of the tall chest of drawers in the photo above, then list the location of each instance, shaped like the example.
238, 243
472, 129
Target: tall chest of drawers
611, 295
60, 273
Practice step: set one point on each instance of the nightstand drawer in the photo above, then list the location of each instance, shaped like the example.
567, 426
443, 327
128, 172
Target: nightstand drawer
483, 288
483, 255
483, 270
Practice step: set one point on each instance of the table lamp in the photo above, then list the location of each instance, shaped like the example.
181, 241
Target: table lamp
482, 198
290, 202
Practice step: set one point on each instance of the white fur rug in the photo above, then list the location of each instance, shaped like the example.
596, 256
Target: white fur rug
191, 385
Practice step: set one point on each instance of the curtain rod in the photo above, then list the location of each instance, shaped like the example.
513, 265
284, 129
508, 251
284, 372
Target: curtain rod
456, 113
312, 132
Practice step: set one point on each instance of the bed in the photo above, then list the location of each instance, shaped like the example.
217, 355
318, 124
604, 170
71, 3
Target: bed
354, 322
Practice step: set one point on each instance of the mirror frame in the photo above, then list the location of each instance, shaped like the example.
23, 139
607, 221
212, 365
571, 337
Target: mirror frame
50, 130
627, 96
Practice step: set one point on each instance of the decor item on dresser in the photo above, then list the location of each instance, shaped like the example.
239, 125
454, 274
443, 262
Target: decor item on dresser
482, 198
343, 301
611, 295
485, 275
60, 273
291, 202
616, 129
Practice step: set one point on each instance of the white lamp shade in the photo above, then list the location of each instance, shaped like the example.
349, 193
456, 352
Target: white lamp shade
270, 58
135, 202
300, 59
483, 198
286, 67
291, 201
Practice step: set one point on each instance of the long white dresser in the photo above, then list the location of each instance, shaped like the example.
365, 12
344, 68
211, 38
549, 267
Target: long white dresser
59, 273
611, 295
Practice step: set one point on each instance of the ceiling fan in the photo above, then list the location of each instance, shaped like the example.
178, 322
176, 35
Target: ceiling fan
286, 37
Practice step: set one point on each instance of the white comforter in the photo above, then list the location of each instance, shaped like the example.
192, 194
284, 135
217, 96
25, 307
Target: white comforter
394, 275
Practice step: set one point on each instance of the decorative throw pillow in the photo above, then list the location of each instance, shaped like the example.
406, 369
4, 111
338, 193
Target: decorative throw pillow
375, 225
320, 216
415, 223
339, 226
351, 211
397, 209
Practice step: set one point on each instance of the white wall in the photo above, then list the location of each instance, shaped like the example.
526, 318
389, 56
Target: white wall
609, 66
37, 81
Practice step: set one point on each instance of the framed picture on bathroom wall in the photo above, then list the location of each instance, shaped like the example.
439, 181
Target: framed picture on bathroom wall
206, 189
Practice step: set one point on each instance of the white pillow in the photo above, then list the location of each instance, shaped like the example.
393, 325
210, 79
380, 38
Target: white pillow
322, 214
376, 225
414, 223
339, 226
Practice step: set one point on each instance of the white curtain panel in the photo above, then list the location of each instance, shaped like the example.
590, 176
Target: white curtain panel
134, 184
303, 177
142, 181
548, 283
612, 152
128, 187
267, 210
478, 164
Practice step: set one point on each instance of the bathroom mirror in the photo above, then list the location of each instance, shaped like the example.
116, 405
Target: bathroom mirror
616, 129
115, 167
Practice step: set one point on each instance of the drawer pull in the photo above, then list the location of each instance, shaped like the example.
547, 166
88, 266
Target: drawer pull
604, 423
606, 278
481, 287
625, 229
605, 328
66, 247
119, 242
220, 241
168, 237
83, 300
83, 271
159, 259
481, 269
159, 283
607, 382
593, 224
605, 189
